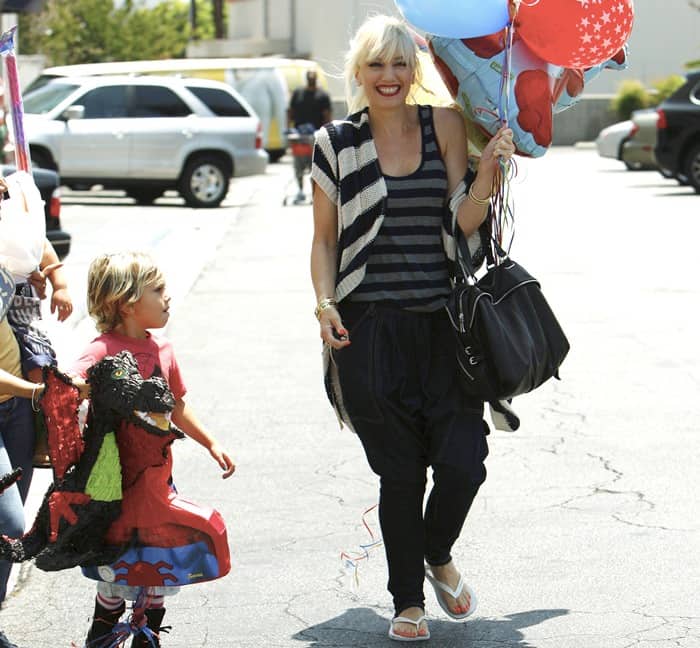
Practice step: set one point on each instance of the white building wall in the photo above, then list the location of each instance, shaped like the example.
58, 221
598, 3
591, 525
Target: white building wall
666, 34
334, 25
279, 18
245, 20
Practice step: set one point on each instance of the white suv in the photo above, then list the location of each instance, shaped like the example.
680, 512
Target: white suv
144, 135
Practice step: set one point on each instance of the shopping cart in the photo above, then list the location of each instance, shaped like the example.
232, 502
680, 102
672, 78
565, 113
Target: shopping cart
301, 143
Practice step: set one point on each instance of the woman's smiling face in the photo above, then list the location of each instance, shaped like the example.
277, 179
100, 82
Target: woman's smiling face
385, 83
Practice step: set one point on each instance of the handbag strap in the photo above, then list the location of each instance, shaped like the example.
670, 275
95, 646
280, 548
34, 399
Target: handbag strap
493, 252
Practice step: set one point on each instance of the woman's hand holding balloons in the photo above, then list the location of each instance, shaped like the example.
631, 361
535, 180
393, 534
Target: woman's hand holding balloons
500, 147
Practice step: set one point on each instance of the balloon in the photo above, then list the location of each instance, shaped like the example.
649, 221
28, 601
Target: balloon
568, 88
472, 70
456, 18
575, 33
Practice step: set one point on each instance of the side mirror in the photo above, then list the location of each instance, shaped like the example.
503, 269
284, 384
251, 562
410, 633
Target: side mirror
73, 112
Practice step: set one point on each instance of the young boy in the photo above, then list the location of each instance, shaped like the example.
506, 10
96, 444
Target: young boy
127, 297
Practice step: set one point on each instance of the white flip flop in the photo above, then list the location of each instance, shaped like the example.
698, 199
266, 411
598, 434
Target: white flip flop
439, 586
416, 622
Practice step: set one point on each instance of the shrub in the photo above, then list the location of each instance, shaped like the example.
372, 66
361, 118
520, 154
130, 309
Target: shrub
631, 96
664, 88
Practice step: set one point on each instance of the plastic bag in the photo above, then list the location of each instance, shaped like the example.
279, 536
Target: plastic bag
22, 225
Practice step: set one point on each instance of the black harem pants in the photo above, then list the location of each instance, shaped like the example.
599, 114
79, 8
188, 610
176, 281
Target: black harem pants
401, 391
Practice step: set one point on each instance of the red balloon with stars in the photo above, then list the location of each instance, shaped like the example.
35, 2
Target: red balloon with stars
575, 33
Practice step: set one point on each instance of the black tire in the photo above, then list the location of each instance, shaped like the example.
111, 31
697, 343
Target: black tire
691, 167
276, 154
144, 195
42, 159
205, 181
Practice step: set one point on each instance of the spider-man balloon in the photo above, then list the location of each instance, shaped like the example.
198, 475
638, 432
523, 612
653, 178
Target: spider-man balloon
472, 71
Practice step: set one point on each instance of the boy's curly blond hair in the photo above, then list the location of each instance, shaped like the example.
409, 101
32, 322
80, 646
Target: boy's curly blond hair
115, 280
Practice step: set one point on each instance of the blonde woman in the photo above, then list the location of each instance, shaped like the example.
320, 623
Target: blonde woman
391, 186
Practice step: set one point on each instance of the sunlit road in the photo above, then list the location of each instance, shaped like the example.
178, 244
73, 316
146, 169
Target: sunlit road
180, 238
586, 532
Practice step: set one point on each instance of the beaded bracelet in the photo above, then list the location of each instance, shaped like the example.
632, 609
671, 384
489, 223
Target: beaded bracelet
327, 302
478, 201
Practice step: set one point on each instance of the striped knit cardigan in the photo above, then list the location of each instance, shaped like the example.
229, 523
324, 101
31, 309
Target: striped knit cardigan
346, 167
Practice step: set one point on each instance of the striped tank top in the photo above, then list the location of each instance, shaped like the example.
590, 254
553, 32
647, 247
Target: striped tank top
407, 266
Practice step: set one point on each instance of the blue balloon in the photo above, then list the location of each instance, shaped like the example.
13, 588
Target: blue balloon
456, 18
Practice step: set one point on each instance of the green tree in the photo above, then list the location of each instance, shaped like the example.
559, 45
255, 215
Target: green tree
631, 96
664, 88
93, 31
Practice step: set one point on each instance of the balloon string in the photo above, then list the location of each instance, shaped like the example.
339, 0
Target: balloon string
504, 88
503, 213
350, 561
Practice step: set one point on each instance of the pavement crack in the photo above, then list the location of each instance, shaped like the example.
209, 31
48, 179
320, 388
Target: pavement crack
639, 498
283, 546
554, 448
608, 467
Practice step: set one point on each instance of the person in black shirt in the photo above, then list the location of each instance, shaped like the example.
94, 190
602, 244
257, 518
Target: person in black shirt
309, 109
309, 104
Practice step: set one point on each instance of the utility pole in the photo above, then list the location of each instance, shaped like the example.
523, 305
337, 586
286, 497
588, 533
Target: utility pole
219, 27
193, 19
293, 28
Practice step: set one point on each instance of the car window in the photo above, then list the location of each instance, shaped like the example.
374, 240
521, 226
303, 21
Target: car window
219, 101
46, 97
157, 101
695, 93
686, 91
104, 103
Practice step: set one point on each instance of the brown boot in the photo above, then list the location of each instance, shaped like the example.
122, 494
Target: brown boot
103, 622
154, 618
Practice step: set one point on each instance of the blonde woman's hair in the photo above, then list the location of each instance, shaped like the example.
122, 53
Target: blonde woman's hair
115, 280
379, 38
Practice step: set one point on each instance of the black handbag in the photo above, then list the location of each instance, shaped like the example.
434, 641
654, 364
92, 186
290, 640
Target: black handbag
508, 340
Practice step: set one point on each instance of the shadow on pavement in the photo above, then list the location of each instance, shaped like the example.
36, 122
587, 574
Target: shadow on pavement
360, 627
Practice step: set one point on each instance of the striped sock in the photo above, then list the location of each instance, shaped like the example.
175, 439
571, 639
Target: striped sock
110, 603
156, 602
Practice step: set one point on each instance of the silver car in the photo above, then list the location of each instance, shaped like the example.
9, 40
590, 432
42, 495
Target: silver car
612, 138
638, 148
145, 135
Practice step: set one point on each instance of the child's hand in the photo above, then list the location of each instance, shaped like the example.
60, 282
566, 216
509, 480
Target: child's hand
38, 281
61, 304
83, 387
221, 457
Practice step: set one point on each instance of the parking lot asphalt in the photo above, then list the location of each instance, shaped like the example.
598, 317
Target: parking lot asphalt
586, 532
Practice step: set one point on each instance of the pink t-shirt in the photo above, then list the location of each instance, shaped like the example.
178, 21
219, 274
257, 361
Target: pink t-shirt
154, 356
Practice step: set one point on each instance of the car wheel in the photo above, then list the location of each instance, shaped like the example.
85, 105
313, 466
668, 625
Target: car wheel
144, 195
42, 160
692, 167
204, 182
276, 154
